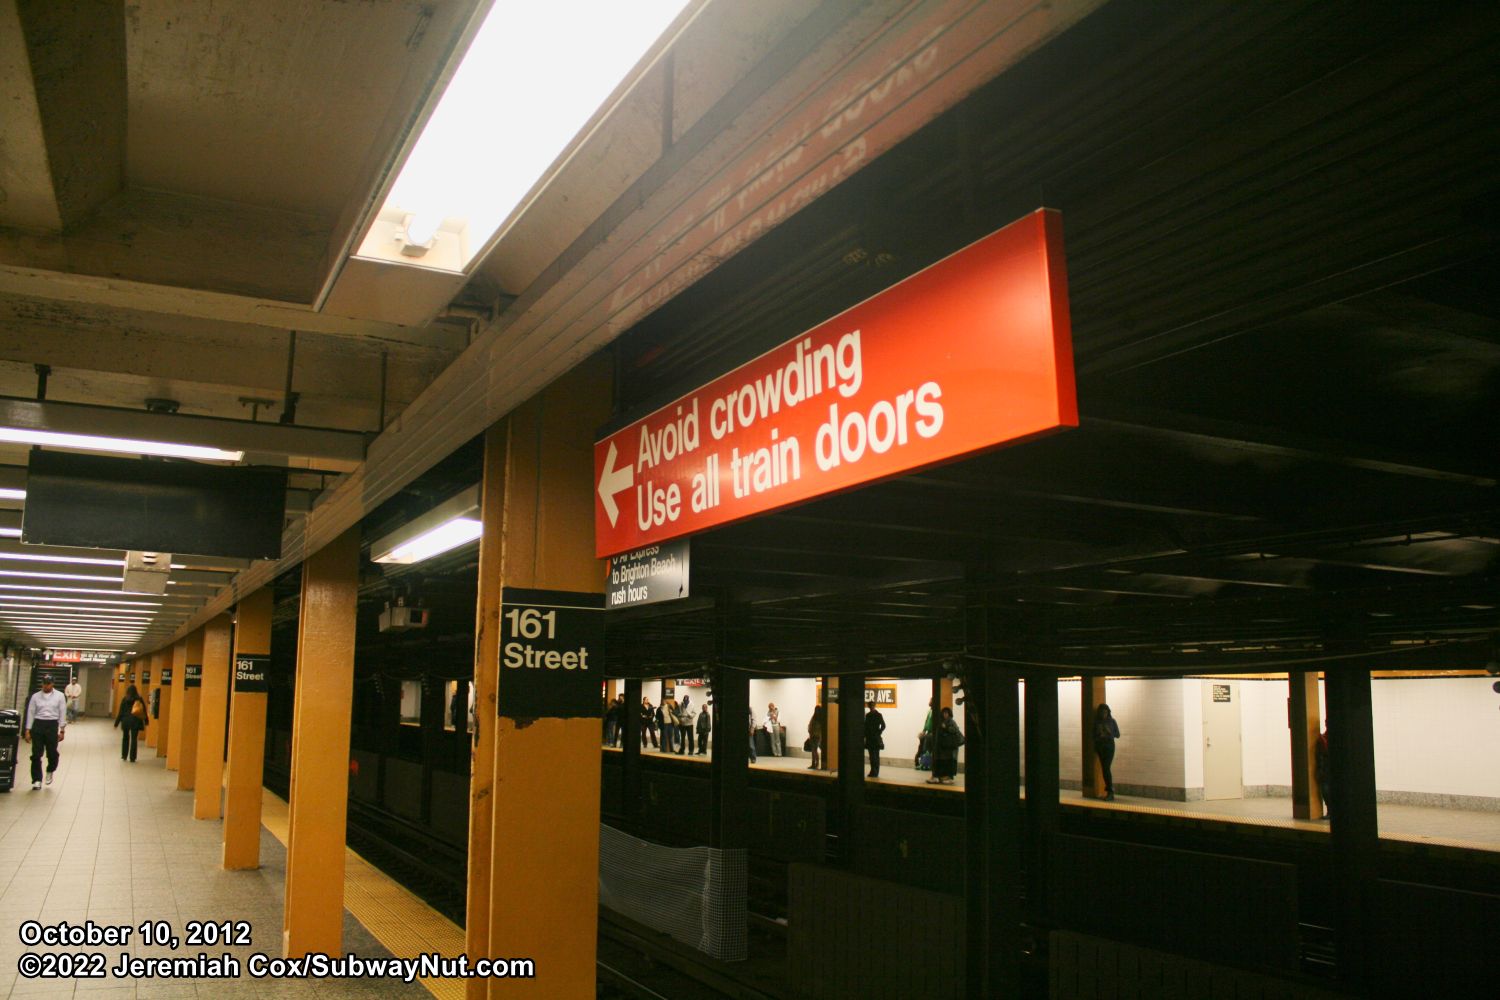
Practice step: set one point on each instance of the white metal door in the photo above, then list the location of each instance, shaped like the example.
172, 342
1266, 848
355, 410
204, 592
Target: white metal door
1222, 776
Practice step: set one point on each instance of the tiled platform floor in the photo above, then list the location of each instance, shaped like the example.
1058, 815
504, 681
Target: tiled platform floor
114, 842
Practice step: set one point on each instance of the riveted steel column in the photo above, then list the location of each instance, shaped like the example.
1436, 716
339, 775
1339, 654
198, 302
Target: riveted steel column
213, 702
318, 802
247, 737
187, 712
1302, 721
544, 850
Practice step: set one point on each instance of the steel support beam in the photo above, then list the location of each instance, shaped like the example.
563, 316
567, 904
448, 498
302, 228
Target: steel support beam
253, 438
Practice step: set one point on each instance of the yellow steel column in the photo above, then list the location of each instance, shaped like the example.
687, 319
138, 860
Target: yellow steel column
1092, 778
247, 731
185, 719
163, 722
213, 701
152, 678
319, 799
830, 759
1303, 718
171, 726
544, 853
486, 656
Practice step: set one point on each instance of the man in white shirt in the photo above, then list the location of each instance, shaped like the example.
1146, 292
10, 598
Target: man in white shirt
46, 718
74, 691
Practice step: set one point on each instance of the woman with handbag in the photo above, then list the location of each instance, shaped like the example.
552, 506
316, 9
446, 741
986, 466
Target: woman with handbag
130, 719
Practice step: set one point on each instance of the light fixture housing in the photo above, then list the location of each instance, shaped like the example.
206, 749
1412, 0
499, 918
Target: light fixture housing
118, 446
450, 524
559, 63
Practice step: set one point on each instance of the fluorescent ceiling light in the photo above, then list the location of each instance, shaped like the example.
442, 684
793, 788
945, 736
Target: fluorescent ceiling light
10, 532
108, 614
533, 76
38, 575
445, 527
70, 600
6, 493
81, 560
444, 537
125, 446
71, 590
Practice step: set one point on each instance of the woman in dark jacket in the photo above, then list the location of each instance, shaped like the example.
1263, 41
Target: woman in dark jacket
130, 722
1106, 731
814, 743
946, 739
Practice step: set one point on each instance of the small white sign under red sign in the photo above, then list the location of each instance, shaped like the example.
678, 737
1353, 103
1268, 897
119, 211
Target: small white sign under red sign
970, 353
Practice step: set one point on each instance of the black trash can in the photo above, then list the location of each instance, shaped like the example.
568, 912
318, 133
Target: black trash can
10, 740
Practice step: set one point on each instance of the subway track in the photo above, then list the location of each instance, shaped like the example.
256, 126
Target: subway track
632, 961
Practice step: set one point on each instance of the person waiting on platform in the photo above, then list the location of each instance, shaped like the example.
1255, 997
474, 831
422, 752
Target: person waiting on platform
814, 742
669, 730
1106, 731
648, 723
1323, 770
46, 719
946, 740
751, 713
614, 718
705, 726
874, 726
773, 728
131, 719
686, 717
924, 742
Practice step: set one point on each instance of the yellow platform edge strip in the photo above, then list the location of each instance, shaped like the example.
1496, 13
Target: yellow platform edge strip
402, 923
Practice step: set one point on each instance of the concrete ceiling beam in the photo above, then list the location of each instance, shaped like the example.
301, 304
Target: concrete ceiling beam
62, 141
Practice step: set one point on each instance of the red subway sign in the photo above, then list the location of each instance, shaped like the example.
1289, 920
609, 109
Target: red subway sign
968, 354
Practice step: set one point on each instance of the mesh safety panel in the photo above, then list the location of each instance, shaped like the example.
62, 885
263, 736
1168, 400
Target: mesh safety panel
694, 894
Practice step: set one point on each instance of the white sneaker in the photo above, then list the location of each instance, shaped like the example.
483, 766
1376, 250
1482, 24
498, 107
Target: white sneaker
49, 777
36, 786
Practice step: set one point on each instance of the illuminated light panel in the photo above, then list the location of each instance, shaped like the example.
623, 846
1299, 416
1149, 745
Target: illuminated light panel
446, 536
6, 493
462, 179
14, 614
10, 532
121, 446
72, 600
80, 560
38, 575
73, 590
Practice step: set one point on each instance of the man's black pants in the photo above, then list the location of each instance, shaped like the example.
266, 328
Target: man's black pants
43, 737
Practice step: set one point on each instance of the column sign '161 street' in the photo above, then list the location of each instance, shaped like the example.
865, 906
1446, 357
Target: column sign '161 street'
551, 654
972, 352
250, 673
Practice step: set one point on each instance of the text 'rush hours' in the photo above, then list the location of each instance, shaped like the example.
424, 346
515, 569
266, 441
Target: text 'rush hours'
551, 652
970, 353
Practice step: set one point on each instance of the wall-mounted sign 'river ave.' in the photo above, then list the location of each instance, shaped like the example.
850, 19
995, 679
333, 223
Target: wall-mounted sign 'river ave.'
972, 352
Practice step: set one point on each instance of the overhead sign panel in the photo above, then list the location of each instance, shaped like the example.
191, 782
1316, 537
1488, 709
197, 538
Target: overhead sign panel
647, 576
970, 353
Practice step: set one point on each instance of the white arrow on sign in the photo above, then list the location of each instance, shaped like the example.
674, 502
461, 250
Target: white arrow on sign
613, 481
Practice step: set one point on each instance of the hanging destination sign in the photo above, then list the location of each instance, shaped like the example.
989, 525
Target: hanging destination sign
970, 353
